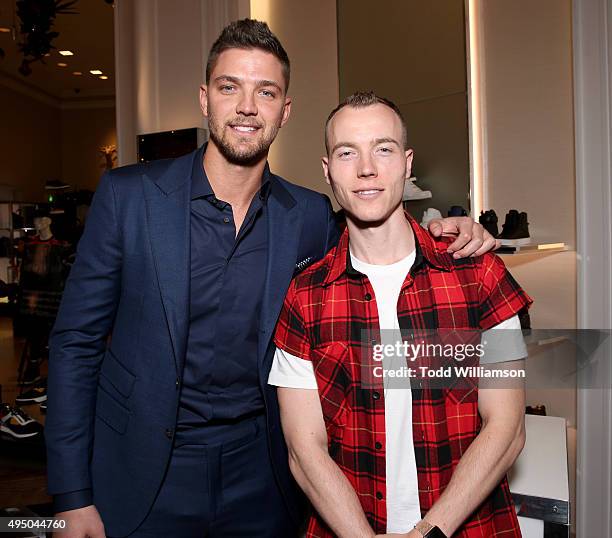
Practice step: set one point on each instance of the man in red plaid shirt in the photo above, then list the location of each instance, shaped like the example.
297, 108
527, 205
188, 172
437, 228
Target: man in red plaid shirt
423, 461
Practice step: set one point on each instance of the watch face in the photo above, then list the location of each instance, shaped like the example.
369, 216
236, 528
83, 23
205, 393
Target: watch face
435, 532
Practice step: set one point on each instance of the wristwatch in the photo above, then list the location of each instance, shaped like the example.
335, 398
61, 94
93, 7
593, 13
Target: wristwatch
428, 530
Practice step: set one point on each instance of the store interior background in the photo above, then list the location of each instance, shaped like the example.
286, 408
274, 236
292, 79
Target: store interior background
525, 60
53, 122
54, 126
155, 54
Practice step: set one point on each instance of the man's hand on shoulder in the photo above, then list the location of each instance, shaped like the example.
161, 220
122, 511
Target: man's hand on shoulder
82, 523
471, 238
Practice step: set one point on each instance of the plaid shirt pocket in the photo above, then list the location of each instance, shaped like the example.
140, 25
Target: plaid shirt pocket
333, 370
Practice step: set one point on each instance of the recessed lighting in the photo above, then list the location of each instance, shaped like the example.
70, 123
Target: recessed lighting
5, 30
66, 53
61, 64
47, 55
95, 72
103, 77
77, 73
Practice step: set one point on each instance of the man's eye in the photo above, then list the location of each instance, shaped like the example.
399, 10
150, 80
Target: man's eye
267, 93
385, 150
344, 153
227, 88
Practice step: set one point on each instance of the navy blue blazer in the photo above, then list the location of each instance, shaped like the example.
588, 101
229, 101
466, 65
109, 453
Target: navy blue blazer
118, 345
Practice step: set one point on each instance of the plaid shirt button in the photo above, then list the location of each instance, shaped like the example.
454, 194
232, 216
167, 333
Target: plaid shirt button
376, 395
378, 445
379, 495
367, 297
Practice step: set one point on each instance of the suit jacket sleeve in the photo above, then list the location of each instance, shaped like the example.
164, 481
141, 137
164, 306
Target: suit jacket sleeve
78, 342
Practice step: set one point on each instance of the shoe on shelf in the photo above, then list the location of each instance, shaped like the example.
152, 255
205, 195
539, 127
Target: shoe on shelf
36, 394
17, 424
515, 230
414, 192
43, 406
457, 211
488, 219
430, 214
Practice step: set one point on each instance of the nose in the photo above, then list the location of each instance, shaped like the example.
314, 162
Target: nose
367, 167
246, 105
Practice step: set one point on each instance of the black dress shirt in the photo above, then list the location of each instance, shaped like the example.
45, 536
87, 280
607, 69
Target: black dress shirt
221, 378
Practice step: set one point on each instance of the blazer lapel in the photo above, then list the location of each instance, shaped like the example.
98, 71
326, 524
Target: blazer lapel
284, 226
168, 218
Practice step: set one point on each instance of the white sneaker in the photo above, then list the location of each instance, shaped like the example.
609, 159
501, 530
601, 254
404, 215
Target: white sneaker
428, 215
413, 192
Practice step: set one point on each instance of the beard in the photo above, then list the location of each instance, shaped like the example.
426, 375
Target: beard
241, 154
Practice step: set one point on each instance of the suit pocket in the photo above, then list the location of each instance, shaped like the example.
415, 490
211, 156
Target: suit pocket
111, 412
117, 374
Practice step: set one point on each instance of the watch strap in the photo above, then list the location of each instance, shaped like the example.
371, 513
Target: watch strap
428, 530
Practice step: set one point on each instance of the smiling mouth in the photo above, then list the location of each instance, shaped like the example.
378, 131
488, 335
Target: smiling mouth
245, 129
368, 193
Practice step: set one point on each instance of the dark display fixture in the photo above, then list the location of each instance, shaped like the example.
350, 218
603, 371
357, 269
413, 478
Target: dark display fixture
169, 144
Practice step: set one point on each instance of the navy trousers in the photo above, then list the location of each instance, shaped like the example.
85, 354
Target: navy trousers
220, 484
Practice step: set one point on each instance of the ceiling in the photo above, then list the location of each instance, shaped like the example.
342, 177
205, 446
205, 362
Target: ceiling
89, 35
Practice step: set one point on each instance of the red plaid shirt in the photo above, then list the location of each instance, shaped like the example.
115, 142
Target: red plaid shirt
326, 310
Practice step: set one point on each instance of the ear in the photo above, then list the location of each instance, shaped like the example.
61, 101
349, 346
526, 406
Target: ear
204, 100
286, 111
409, 157
325, 165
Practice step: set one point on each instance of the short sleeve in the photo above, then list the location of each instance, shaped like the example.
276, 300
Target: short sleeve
504, 342
500, 296
292, 372
291, 335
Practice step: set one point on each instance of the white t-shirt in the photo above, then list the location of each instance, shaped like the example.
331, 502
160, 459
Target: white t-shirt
403, 508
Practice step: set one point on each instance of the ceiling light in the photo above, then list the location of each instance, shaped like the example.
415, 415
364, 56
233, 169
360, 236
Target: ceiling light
5, 30
77, 73
95, 72
103, 77
61, 64
66, 53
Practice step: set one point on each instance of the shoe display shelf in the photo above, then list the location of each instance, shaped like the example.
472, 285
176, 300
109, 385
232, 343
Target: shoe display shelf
509, 248
539, 479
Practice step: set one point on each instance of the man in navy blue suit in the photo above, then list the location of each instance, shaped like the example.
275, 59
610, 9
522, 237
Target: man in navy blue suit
160, 420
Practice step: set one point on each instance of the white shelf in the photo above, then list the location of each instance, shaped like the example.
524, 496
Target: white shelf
533, 248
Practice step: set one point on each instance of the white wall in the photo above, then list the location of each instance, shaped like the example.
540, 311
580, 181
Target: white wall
161, 50
593, 98
307, 30
529, 103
